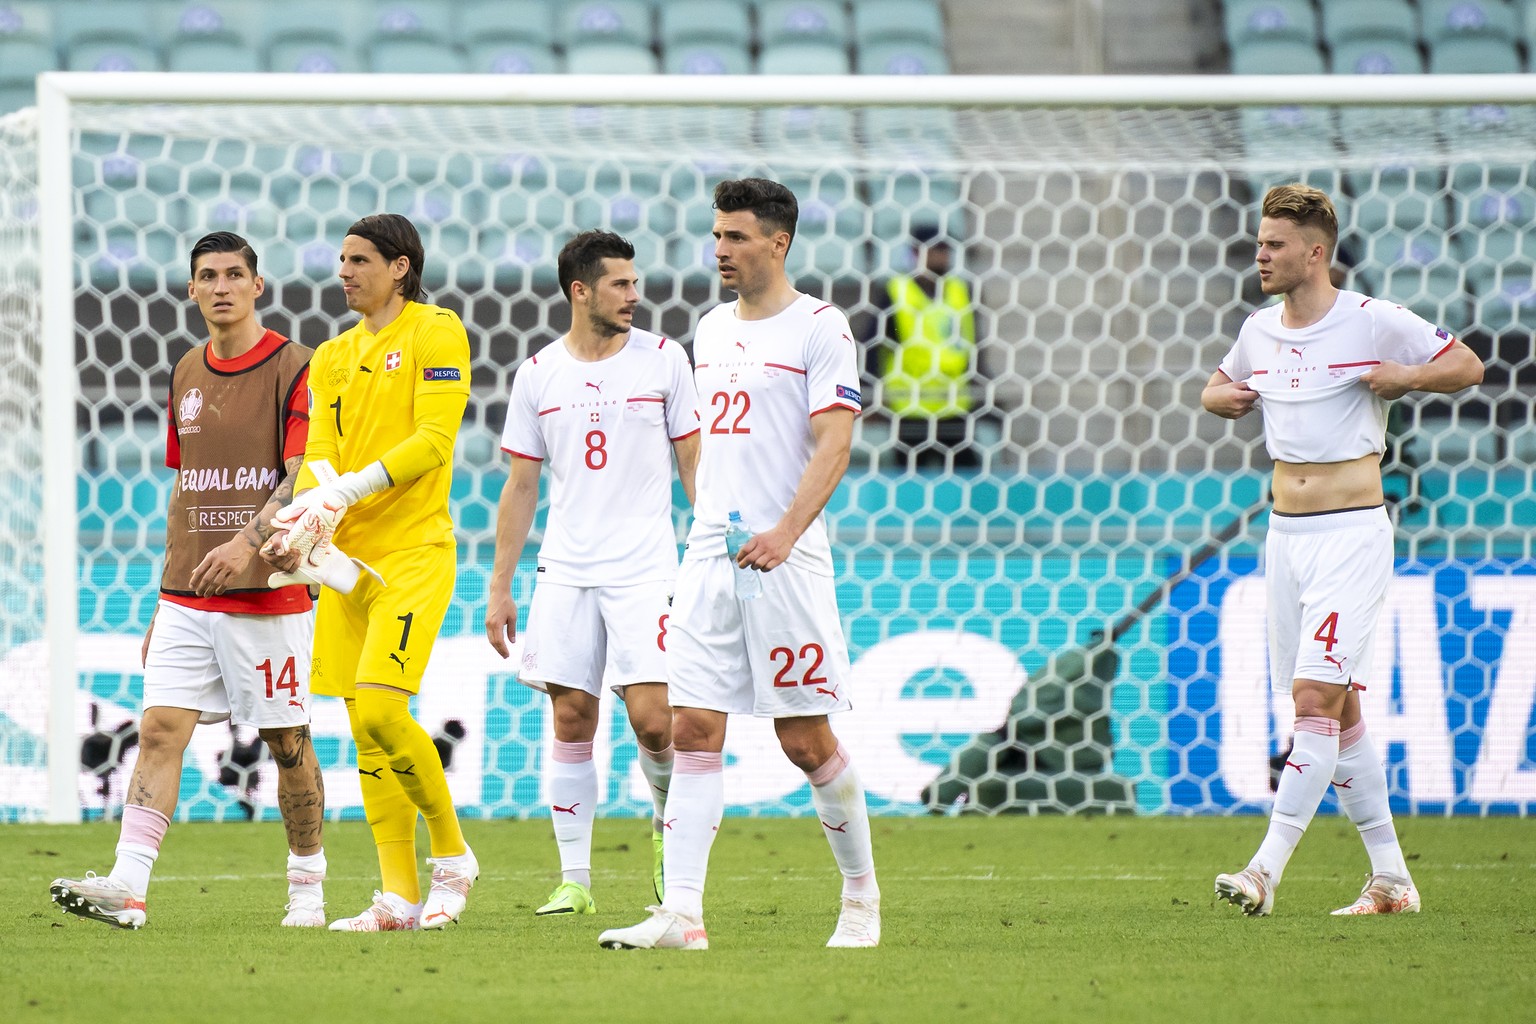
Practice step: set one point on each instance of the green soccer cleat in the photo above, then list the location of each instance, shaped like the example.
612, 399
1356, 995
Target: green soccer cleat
657, 880
569, 898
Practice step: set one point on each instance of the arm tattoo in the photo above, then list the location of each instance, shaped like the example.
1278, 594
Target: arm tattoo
259, 529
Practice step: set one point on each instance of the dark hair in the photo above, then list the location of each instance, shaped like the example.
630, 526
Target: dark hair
774, 205
581, 259
223, 241
394, 236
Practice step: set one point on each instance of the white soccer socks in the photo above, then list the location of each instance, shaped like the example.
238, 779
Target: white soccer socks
138, 846
1360, 781
572, 806
695, 807
656, 766
1303, 781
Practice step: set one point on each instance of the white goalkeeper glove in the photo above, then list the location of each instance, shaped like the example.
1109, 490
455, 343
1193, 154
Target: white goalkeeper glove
327, 567
309, 522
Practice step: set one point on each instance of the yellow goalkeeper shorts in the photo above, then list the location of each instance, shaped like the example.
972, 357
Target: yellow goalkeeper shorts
383, 633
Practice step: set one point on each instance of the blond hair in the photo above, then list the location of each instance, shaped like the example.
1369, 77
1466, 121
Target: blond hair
1306, 207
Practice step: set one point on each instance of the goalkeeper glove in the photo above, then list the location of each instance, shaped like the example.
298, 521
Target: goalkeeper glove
326, 567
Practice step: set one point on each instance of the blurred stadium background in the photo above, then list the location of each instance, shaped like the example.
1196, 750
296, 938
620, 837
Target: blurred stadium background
1108, 253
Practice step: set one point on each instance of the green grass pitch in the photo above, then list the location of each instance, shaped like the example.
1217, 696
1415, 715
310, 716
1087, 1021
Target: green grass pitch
1010, 919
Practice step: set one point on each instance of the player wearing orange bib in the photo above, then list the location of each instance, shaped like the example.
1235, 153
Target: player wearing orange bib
386, 399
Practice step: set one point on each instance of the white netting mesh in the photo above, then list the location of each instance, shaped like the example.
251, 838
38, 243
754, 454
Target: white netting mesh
1109, 254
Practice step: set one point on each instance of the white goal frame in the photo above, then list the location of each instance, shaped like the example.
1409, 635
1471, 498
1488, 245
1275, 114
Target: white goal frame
58, 92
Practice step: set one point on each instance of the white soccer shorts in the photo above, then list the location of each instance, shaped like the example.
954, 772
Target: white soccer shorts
781, 655
1326, 579
251, 668
579, 637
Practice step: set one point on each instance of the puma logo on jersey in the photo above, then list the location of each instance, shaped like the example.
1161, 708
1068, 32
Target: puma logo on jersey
598, 387
377, 773
830, 693
1296, 352
741, 345
1337, 663
399, 660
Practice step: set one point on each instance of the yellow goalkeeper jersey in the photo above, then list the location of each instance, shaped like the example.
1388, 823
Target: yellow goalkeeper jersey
395, 397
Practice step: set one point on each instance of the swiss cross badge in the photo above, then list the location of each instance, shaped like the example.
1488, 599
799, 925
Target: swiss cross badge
392, 361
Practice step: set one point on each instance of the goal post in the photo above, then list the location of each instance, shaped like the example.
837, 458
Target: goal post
1104, 225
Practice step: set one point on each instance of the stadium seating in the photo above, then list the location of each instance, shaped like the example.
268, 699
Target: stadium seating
1377, 57
1277, 57
1402, 198
1249, 21
1474, 55
415, 56
708, 57
802, 21
883, 21
212, 54
513, 57
813, 58
901, 57
528, 22
610, 58
687, 22
612, 21
1469, 19
424, 20
208, 21
1370, 21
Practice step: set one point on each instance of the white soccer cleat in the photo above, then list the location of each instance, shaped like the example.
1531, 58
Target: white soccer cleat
1384, 894
451, 881
858, 926
306, 901
389, 913
99, 898
664, 929
1249, 889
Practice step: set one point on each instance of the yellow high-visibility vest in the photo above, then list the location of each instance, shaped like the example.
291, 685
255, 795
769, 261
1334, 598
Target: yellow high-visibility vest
929, 374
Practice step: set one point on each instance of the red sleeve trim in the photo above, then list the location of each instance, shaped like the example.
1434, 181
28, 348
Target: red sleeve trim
684, 437
663, 343
701, 366
837, 405
1448, 346
822, 309
546, 412
1350, 366
1365, 303
520, 455
791, 369
1256, 373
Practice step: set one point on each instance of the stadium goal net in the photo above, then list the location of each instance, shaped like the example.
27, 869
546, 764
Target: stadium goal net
1054, 601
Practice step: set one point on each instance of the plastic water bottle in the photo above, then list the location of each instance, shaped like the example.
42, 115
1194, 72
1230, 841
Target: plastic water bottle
749, 583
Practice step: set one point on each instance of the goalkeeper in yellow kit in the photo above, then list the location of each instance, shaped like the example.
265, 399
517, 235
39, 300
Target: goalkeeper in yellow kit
386, 399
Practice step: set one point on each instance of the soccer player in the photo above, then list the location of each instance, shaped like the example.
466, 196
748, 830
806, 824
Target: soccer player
607, 406
1323, 365
221, 644
778, 383
387, 397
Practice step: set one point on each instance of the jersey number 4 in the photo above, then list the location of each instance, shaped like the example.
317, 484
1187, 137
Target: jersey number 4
1328, 632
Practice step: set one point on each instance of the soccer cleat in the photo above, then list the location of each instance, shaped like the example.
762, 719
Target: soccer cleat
664, 929
569, 898
1384, 894
451, 879
657, 879
389, 913
858, 926
99, 898
1249, 889
306, 902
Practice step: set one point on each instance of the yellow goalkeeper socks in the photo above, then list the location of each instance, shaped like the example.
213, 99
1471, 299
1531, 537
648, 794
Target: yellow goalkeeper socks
391, 815
413, 760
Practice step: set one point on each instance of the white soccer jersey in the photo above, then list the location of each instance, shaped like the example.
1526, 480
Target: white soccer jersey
606, 430
1316, 409
760, 382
